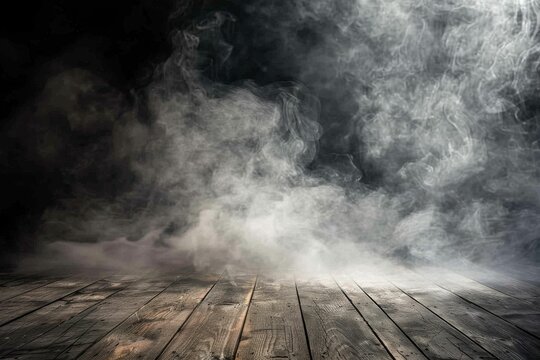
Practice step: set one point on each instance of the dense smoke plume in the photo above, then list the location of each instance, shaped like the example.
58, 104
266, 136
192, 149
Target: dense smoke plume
366, 129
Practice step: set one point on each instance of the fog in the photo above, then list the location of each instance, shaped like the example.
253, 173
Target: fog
372, 132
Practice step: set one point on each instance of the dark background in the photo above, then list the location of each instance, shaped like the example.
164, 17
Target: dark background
120, 41
123, 43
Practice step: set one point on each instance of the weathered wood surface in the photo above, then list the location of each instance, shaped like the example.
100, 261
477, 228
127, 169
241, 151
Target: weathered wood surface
394, 339
422, 314
507, 285
10, 277
500, 338
144, 334
37, 298
521, 313
214, 328
335, 329
20, 285
21, 331
72, 337
436, 338
274, 328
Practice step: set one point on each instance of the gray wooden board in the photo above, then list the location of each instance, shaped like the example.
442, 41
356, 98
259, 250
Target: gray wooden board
387, 331
72, 337
145, 334
21, 285
37, 298
497, 336
521, 313
503, 283
25, 329
335, 329
214, 328
436, 338
274, 328
439, 314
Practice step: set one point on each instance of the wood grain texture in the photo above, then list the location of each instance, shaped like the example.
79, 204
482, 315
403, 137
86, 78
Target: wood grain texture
37, 298
214, 328
523, 314
433, 336
72, 337
395, 341
31, 326
274, 328
20, 285
503, 283
405, 315
145, 334
335, 329
10, 277
503, 340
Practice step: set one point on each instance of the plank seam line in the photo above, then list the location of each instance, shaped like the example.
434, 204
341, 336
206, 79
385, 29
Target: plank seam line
32, 289
303, 320
481, 282
188, 317
245, 317
60, 323
114, 327
63, 333
70, 346
502, 292
392, 320
488, 311
16, 277
84, 313
363, 318
452, 326
48, 303
516, 279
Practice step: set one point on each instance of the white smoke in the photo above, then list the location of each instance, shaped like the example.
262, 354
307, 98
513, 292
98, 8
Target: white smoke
233, 173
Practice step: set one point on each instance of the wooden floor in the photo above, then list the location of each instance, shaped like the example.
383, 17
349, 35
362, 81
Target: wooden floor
428, 314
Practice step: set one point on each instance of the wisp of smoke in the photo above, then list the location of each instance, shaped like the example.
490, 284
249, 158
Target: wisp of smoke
407, 134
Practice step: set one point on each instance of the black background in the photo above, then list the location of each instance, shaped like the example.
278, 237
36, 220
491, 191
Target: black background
121, 41
124, 42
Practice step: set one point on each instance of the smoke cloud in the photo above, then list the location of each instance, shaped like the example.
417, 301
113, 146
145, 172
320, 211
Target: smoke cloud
366, 130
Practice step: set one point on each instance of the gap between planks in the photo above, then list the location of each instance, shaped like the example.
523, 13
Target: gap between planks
321, 311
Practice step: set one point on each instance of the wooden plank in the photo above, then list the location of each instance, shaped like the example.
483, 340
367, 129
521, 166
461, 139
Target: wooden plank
497, 336
31, 326
335, 329
521, 313
21, 285
213, 330
9, 277
72, 337
274, 327
505, 284
393, 338
145, 334
27, 302
433, 336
